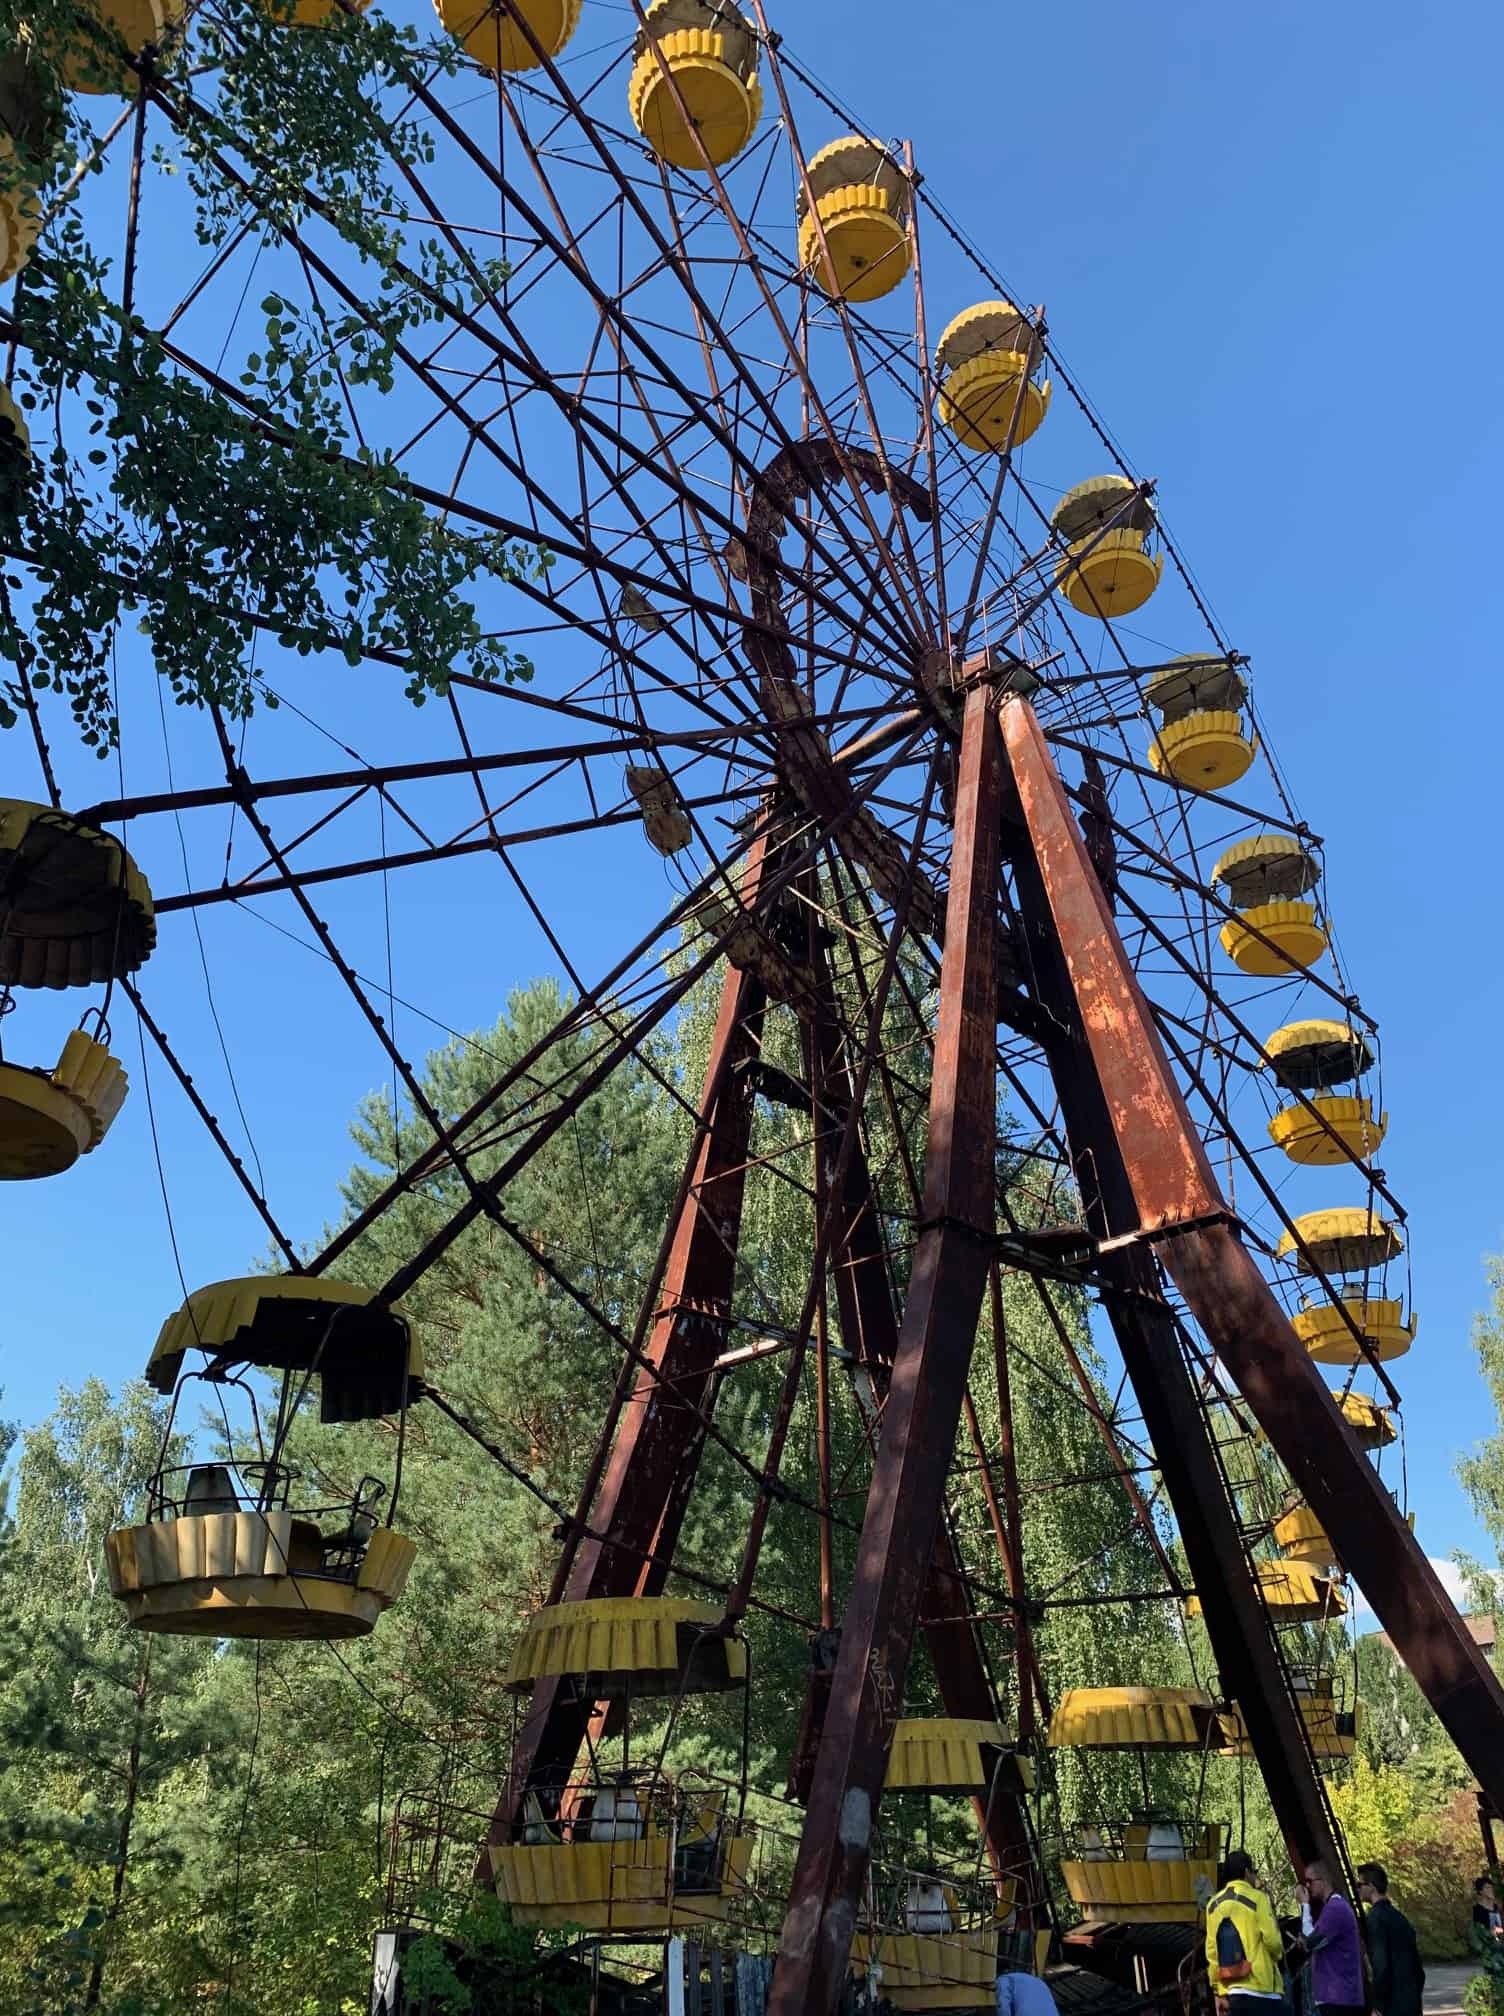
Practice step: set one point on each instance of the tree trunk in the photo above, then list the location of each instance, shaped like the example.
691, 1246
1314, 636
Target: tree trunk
123, 1838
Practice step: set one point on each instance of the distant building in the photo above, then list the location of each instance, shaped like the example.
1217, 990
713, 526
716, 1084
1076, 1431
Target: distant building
1484, 1630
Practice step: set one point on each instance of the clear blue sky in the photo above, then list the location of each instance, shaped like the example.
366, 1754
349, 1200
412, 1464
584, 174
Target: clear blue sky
1267, 241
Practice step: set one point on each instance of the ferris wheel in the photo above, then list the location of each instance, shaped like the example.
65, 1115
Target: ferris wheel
779, 604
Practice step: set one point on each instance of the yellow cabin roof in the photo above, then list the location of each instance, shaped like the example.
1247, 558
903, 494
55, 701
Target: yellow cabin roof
1372, 1424
1314, 1056
616, 1645
719, 17
1195, 685
990, 325
1300, 1536
1293, 1594
1131, 1718
856, 160
1266, 868
363, 1353
1348, 1239
940, 1753
1081, 513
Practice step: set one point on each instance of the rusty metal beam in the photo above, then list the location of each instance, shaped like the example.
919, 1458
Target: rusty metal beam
646, 1475
109, 811
1170, 1185
295, 879
923, 1409
869, 1332
1236, 1621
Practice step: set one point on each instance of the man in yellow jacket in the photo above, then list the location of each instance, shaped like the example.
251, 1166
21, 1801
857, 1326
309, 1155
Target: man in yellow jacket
1244, 1950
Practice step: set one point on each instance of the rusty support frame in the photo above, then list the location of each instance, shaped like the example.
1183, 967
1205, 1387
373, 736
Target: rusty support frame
646, 1472
1176, 1426
869, 1331
1170, 1185
1236, 1622
922, 1413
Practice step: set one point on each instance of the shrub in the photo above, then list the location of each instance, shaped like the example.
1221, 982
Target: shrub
1481, 1998
1431, 1871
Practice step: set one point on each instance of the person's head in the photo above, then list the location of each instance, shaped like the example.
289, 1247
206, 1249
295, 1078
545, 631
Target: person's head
1318, 1883
1238, 1868
1483, 1890
1373, 1881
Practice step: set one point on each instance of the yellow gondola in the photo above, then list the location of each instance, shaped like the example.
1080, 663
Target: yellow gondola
1324, 1127
248, 1570
1151, 1870
1336, 1127
861, 198
934, 1943
985, 360
1332, 1733
627, 1851
1266, 878
495, 39
946, 1955
1106, 571
1201, 739
701, 55
1116, 1877
232, 1548
1292, 1593
1351, 1244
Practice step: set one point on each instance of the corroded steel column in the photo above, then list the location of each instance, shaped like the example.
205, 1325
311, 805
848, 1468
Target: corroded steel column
923, 1408
869, 1330
1172, 1186
1237, 1623
647, 1478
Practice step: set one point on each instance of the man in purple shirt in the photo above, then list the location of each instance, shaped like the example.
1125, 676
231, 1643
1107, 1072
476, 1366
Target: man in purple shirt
1336, 1948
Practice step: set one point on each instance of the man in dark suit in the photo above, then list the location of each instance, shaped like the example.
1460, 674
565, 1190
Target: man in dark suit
1398, 1976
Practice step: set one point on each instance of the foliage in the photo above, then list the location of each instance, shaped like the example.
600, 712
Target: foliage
489, 1962
1484, 1995
205, 512
1389, 1815
1481, 1997
1482, 1470
94, 1722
